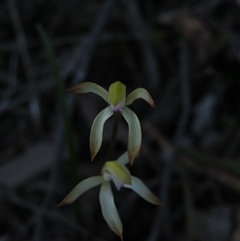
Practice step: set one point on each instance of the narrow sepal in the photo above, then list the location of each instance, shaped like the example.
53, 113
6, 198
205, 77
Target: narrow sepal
134, 133
142, 190
81, 188
89, 87
140, 93
97, 131
109, 209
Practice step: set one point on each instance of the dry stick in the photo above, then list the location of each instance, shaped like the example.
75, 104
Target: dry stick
205, 8
83, 56
188, 160
14, 62
137, 26
38, 232
234, 147
51, 214
162, 224
27, 63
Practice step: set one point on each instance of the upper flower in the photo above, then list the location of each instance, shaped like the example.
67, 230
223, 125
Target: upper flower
116, 172
117, 100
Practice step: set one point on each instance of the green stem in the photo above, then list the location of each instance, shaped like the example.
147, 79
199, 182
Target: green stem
112, 144
62, 101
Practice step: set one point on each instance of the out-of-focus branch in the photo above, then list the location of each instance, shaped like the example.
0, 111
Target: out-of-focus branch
51, 214
27, 63
40, 228
137, 26
162, 225
79, 64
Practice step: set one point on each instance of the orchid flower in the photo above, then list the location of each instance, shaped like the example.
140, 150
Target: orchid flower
116, 172
118, 102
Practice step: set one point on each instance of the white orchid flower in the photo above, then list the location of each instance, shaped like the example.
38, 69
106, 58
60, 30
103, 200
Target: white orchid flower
116, 172
118, 102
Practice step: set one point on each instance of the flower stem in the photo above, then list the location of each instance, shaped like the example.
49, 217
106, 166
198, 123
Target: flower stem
112, 144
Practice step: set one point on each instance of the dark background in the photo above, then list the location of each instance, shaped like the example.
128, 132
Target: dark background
185, 53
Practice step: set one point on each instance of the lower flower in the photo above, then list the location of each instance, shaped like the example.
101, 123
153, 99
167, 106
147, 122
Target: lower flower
116, 172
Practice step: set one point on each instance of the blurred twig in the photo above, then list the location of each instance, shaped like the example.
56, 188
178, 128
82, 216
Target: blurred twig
79, 64
223, 170
162, 225
219, 175
39, 230
46, 212
235, 145
27, 63
137, 25
226, 164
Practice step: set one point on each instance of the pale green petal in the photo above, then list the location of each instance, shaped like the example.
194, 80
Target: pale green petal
89, 87
123, 159
81, 188
140, 93
109, 209
142, 190
97, 131
116, 172
134, 133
